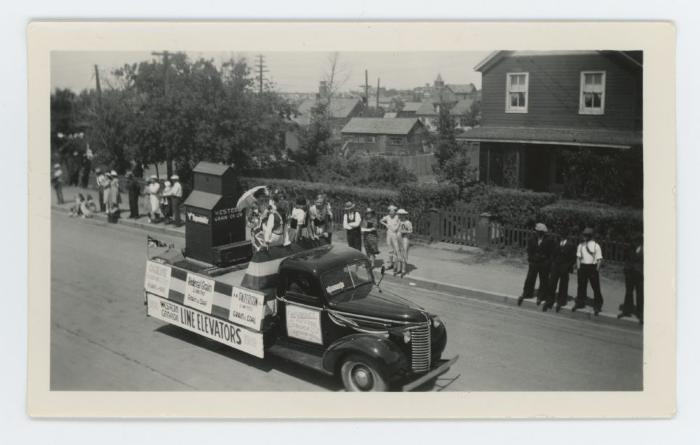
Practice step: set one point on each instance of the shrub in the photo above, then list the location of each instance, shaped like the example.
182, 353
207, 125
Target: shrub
507, 206
418, 198
337, 194
609, 222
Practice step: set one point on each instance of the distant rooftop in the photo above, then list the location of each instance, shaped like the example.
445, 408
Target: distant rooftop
378, 125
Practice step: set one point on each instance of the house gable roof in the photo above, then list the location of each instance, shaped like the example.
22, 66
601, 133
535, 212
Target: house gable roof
379, 125
461, 88
492, 59
411, 106
340, 108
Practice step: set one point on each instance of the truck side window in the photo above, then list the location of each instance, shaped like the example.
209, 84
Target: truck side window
299, 287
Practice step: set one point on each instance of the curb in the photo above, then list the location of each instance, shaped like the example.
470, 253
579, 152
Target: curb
425, 283
511, 300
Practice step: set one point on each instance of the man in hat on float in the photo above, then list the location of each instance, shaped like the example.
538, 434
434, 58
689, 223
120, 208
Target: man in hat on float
589, 257
351, 223
539, 259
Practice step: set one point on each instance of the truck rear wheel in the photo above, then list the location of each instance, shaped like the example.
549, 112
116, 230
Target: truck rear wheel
361, 373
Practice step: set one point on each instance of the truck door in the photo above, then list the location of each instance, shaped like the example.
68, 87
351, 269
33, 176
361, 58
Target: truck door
301, 309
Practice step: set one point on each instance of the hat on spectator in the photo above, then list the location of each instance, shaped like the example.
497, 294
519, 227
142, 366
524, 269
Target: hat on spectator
392, 207
175, 177
98, 170
113, 173
349, 205
401, 212
540, 227
369, 210
588, 231
153, 178
56, 165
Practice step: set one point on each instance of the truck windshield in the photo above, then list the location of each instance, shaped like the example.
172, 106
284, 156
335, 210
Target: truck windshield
346, 278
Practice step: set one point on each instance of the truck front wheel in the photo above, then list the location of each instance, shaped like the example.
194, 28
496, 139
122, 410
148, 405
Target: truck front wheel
362, 374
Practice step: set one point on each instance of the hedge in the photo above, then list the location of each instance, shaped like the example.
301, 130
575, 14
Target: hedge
609, 222
419, 198
337, 194
506, 205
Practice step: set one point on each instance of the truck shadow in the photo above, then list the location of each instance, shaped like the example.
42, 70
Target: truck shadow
264, 365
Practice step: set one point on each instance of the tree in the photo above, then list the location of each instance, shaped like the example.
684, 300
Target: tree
314, 139
447, 141
458, 170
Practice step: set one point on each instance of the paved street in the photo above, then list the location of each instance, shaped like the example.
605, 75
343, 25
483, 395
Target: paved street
102, 340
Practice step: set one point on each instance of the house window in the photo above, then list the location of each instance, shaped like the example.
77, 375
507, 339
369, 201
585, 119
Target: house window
592, 99
395, 141
517, 85
370, 139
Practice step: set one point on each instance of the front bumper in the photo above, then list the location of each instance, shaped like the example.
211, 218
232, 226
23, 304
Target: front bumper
440, 367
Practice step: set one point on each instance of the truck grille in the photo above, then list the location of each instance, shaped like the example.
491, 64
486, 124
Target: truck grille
420, 348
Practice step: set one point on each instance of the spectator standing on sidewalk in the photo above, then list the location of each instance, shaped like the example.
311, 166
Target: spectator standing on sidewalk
405, 231
563, 261
391, 223
369, 234
634, 280
297, 221
589, 258
175, 200
102, 182
320, 215
539, 259
87, 167
133, 188
114, 198
152, 190
57, 182
351, 223
165, 201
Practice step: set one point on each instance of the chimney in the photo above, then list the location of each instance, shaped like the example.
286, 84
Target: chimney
323, 89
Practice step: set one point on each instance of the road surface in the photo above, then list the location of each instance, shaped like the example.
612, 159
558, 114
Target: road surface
101, 338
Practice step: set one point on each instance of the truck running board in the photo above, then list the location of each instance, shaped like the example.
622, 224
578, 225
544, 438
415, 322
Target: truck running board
293, 354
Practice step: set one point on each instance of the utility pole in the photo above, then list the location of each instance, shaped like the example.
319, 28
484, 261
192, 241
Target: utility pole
98, 87
261, 71
377, 93
166, 70
366, 89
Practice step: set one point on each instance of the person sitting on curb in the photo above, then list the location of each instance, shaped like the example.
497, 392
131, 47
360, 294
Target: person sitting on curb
539, 259
76, 209
589, 258
88, 207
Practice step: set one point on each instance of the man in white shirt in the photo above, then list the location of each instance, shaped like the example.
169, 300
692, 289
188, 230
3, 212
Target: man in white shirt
589, 256
175, 196
351, 223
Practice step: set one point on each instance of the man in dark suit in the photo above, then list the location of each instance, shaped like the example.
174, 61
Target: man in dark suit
563, 261
539, 258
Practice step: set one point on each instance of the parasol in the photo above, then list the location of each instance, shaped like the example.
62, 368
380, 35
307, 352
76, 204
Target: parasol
247, 199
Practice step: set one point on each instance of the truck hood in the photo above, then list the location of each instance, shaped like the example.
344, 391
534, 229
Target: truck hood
367, 301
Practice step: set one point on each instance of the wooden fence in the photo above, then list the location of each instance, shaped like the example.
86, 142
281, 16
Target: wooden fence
464, 227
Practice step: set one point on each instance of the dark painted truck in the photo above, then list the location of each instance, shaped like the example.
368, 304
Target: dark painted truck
318, 305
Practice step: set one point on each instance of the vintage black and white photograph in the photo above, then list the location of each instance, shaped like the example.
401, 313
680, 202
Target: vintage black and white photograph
347, 221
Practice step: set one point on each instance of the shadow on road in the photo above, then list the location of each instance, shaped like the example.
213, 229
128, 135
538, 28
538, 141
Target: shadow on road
266, 365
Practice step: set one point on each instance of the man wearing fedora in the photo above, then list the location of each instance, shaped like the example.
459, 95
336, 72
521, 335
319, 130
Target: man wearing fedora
351, 223
589, 256
563, 261
539, 259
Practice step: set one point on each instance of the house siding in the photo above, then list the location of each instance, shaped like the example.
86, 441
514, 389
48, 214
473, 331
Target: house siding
554, 88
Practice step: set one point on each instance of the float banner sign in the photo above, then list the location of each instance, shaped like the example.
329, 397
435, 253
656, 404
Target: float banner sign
213, 328
157, 279
199, 292
304, 324
247, 308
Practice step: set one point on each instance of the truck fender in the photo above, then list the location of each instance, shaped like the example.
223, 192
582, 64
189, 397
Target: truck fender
375, 347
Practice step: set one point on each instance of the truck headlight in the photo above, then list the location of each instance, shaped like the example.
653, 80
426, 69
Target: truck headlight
406, 336
436, 322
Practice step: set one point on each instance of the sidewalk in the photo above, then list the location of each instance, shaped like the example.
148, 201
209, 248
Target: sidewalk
438, 266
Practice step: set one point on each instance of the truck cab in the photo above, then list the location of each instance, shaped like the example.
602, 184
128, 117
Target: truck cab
333, 316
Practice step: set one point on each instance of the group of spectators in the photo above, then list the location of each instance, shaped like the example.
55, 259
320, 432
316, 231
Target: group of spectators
163, 201
553, 260
275, 221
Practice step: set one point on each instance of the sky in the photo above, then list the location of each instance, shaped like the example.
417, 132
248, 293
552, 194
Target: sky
292, 71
